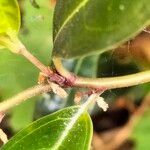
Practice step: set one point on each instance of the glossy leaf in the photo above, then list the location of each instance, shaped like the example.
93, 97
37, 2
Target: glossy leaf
65, 129
10, 16
85, 27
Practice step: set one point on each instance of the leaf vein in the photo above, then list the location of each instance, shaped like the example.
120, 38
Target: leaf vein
74, 12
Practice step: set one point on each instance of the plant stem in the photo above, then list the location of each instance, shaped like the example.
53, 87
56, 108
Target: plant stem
60, 68
15, 46
19, 98
114, 82
108, 83
23, 51
36, 62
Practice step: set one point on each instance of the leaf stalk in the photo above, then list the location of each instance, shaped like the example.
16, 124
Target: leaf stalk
106, 83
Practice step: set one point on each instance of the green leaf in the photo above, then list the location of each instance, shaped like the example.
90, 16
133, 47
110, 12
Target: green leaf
10, 16
85, 27
69, 128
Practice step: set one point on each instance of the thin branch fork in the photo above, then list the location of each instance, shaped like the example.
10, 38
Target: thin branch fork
105, 83
64, 78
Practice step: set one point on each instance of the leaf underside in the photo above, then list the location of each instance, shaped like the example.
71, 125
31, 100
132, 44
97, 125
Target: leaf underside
54, 132
85, 27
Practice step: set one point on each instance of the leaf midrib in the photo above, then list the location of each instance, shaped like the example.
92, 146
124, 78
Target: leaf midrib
70, 125
74, 12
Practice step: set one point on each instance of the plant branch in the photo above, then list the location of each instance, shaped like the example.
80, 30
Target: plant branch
64, 78
108, 83
19, 98
15, 46
114, 82
61, 70
44, 69
36, 62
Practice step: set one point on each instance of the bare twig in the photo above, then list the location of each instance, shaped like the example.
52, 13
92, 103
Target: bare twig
19, 98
